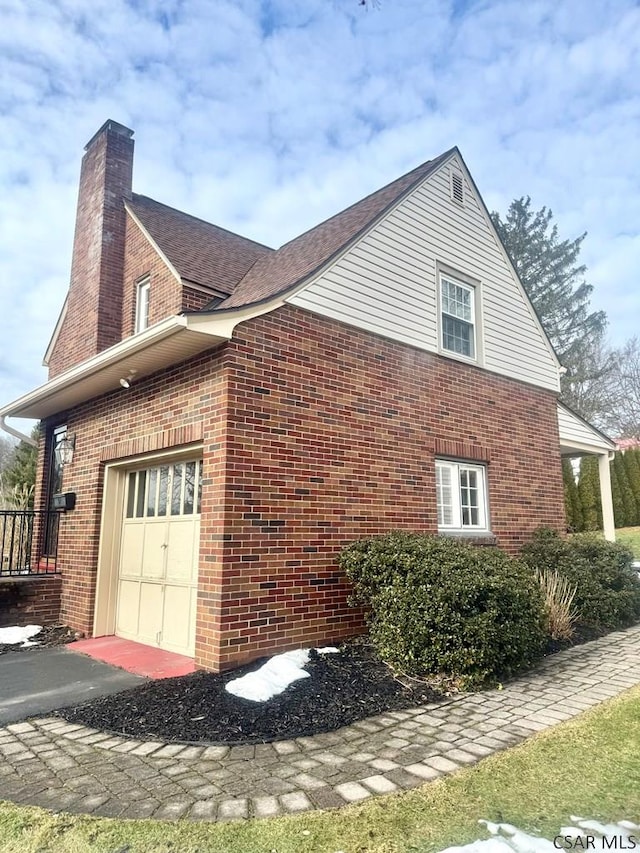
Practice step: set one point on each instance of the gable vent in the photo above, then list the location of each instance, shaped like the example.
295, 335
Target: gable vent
457, 186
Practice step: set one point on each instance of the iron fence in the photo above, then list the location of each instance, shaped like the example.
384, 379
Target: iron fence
28, 542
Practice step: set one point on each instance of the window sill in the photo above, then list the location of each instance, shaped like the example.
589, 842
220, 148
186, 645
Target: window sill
473, 537
457, 356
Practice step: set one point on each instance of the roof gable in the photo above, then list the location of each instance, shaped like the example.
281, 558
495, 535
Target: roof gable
200, 252
386, 280
304, 256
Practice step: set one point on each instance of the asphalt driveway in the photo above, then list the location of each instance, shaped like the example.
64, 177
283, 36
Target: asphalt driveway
33, 683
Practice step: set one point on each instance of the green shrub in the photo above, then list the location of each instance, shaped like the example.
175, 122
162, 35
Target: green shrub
607, 587
440, 606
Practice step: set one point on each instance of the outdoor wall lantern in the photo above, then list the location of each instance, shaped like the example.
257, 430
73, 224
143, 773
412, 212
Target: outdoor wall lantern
64, 450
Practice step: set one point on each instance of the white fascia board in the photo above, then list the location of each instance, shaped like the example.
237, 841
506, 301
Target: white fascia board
56, 332
579, 448
313, 276
505, 254
575, 441
111, 356
174, 272
99, 374
223, 322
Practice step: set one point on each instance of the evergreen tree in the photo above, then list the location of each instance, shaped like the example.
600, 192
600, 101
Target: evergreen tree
21, 472
589, 489
553, 278
616, 495
7, 451
626, 494
573, 507
631, 459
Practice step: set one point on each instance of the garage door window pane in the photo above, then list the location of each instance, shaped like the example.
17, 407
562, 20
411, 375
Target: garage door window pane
199, 486
152, 491
189, 487
131, 496
176, 489
162, 490
142, 479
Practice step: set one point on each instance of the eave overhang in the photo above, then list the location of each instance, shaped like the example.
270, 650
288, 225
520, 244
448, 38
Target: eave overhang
578, 437
166, 343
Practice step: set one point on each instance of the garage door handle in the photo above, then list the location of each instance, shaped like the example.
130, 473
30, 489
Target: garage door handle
164, 545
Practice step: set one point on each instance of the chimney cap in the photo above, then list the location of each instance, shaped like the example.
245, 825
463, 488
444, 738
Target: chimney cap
110, 126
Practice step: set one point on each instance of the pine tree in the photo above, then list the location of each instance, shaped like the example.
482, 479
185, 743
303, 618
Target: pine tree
573, 507
631, 459
626, 494
589, 490
616, 495
553, 278
21, 472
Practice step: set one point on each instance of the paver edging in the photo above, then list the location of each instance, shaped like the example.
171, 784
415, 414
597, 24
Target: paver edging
59, 765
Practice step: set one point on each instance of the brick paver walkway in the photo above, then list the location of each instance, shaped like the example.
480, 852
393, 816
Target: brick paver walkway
51, 763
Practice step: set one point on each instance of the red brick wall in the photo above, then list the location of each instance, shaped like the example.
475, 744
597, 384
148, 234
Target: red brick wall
314, 434
33, 601
194, 300
94, 313
172, 409
332, 434
165, 291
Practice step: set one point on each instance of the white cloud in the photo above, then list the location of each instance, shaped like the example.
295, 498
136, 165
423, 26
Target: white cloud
268, 117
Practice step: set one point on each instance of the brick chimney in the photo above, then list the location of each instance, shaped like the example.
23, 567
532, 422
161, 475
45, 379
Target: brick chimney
93, 319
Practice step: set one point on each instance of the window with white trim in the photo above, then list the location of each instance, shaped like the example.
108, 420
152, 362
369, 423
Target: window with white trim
142, 305
458, 314
461, 496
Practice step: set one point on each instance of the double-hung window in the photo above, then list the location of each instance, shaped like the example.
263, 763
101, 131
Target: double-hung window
142, 305
461, 496
458, 313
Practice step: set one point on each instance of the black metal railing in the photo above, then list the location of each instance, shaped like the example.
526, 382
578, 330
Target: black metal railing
28, 542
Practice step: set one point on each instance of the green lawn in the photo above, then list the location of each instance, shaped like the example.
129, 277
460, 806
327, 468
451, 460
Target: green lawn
630, 536
588, 767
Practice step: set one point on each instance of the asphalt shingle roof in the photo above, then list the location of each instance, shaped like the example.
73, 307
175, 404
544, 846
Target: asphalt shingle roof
201, 253
248, 272
290, 264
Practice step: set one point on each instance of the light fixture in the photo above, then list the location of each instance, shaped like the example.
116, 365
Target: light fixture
128, 379
64, 450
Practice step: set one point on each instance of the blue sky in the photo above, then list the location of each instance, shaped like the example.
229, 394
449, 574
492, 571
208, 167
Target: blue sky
267, 117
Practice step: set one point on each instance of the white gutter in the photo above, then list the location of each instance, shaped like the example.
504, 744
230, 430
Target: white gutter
112, 355
16, 433
160, 345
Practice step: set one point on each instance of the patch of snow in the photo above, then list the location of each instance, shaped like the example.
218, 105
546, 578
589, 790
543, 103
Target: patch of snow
274, 676
13, 634
507, 838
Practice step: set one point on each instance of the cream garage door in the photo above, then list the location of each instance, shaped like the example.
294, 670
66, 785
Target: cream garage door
158, 571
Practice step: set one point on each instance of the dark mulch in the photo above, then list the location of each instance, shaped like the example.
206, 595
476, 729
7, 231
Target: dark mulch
582, 634
343, 688
53, 635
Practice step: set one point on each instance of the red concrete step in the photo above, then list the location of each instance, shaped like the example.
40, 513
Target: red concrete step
135, 657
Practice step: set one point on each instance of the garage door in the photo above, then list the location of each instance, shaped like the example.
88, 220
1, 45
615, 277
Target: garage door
158, 570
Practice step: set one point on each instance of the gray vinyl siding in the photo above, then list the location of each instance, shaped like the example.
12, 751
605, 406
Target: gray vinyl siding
573, 430
386, 283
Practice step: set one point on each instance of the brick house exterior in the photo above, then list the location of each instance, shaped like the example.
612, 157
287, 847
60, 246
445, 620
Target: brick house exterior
309, 419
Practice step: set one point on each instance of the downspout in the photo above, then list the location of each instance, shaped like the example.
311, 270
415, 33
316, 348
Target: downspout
15, 433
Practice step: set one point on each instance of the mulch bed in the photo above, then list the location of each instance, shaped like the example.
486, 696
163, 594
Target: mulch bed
343, 688
53, 635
